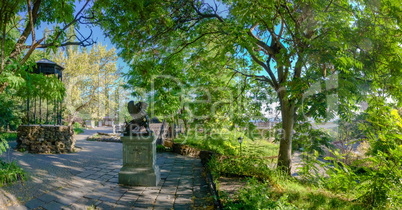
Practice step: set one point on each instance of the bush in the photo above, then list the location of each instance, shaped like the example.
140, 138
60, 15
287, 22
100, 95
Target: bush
241, 166
3, 144
285, 194
375, 178
309, 139
9, 136
78, 128
255, 195
161, 148
10, 110
222, 142
11, 172
381, 187
225, 142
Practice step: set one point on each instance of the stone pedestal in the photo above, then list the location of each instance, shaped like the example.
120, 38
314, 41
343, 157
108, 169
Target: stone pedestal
139, 156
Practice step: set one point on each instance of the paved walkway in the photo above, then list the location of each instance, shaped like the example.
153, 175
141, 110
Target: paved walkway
87, 179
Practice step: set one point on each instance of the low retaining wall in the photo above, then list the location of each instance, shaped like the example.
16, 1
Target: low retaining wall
45, 138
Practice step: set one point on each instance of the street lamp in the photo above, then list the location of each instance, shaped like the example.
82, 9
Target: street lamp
240, 140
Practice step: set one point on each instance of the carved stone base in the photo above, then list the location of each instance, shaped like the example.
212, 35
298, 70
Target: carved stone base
139, 156
139, 176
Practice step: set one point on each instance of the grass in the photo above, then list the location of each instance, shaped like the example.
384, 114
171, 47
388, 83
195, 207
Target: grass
225, 142
280, 193
266, 188
310, 197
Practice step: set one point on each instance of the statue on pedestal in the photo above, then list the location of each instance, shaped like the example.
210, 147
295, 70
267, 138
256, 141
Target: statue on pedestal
139, 150
140, 119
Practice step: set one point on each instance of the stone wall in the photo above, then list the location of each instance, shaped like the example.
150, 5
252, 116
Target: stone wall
45, 138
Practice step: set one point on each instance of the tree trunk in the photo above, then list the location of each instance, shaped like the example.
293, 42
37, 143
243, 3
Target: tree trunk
185, 127
71, 120
285, 147
3, 87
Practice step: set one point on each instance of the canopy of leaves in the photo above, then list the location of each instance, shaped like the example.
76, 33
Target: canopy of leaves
19, 24
92, 80
319, 56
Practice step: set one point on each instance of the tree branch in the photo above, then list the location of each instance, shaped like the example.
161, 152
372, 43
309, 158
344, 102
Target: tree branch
266, 67
203, 15
83, 43
37, 44
192, 42
31, 22
287, 26
257, 77
24, 36
326, 9
262, 44
30, 51
298, 66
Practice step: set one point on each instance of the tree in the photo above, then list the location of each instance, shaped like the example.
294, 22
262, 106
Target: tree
91, 77
285, 45
179, 91
19, 22
10, 110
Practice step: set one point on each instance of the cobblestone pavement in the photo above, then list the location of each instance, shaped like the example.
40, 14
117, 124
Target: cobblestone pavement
68, 183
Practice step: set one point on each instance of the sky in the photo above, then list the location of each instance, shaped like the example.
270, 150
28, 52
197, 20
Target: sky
97, 35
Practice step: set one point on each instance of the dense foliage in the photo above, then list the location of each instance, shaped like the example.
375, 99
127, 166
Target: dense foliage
92, 82
214, 66
19, 23
11, 172
315, 55
10, 111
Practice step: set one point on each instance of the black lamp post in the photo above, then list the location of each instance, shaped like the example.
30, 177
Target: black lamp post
240, 140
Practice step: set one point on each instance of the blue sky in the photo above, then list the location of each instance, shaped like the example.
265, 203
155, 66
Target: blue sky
85, 30
97, 33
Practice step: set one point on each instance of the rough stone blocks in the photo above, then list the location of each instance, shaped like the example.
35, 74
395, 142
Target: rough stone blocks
45, 138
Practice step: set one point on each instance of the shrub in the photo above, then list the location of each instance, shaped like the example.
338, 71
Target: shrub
11, 172
9, 136
77, 128
381, 186
309, 139
160, 148
225, 142
241, 166
3, 144
255, 195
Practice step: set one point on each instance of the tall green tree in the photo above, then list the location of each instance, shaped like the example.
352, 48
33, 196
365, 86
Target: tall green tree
19, 23
287, 46
91, 78
178, 90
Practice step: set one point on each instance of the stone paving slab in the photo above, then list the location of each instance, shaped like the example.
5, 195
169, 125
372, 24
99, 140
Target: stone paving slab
182, 186
187, 191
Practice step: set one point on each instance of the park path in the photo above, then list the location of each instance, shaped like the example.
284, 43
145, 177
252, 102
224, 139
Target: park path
88, 178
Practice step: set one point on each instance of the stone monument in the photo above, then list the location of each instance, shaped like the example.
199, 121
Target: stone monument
139, 151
